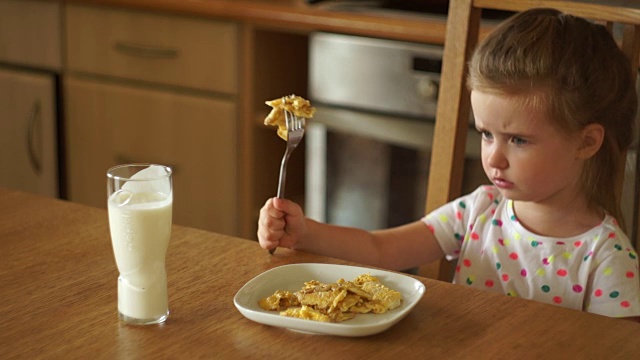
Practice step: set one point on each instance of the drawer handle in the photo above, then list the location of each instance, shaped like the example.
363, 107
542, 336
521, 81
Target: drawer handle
145, 51
32, 143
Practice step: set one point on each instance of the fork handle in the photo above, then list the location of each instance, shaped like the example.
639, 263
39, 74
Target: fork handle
283, 177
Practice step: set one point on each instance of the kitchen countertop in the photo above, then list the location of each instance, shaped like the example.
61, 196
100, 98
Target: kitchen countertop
298, 16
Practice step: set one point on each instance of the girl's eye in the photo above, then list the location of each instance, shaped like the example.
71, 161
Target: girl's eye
486, 135
519, 141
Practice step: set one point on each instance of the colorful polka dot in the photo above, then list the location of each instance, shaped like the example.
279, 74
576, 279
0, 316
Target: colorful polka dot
545, 288
488, 283
618, 247
513, 256
496, 222
501, 242
632, 255
498, 266
567, 255
466, 262
630, 274
443, 218
562, 272
625, 304
607, 271
457, 236
540, 272
577, 243
471, 279
535, 243
458, 215
462, 204
577, 288
557, 300
512, 293
505, 277
598, 293
431, 228
475, 236
614, 294
523, 272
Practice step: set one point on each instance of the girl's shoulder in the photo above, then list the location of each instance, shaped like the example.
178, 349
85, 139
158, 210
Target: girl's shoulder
482, 202
483, 197
610, 235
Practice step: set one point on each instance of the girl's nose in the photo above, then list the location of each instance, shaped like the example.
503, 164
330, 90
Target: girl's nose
496, 157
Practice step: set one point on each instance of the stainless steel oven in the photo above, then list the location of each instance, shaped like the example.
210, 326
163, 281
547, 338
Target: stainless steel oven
368, 146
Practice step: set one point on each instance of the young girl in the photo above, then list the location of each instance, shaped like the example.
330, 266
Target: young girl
555, 102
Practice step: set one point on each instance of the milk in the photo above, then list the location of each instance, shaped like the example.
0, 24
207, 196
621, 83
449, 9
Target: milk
140, 225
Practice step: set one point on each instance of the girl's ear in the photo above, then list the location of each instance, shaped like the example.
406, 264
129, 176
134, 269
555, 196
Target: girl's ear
592, 137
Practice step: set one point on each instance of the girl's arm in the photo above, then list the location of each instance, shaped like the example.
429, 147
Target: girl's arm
397, 248
282, 223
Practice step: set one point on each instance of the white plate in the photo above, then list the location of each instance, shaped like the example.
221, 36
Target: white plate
292, 278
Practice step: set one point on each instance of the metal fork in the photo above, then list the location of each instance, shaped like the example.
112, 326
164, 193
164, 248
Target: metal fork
295, 132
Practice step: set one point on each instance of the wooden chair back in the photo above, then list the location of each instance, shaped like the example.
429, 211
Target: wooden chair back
462, 34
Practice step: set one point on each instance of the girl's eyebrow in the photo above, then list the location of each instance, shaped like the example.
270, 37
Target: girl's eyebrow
507, 134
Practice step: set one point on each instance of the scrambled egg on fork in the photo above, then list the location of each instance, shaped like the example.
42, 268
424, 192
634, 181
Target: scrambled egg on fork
297, 105
334, 302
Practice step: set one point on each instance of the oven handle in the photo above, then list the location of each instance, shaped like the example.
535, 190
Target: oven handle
407, 132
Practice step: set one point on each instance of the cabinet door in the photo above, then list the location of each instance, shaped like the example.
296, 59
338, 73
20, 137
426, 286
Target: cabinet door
109, 124
28, 146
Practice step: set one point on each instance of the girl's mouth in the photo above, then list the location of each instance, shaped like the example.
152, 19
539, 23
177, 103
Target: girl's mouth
502, 183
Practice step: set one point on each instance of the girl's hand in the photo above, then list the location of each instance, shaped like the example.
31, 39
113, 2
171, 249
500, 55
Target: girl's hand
281, 223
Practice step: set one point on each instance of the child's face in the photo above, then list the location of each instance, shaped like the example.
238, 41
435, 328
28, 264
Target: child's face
522, 153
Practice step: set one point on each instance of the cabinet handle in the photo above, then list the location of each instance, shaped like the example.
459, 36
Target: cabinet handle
145, 51
124, 159
32, 143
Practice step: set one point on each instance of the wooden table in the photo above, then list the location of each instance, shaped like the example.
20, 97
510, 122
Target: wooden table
58, 300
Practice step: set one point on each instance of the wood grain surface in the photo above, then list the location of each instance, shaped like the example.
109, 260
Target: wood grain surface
58, 291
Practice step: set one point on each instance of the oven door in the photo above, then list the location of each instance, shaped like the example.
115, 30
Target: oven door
370, 170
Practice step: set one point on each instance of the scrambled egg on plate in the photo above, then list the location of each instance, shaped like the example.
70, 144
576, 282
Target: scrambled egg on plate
334, 302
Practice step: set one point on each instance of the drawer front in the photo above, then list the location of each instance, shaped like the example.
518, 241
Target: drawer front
171, 50
109, 124
30, 33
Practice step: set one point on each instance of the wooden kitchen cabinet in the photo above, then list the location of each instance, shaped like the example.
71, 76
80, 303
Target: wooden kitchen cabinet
153, 87
30, 57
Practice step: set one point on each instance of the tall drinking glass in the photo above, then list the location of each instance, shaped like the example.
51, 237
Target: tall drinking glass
140, 200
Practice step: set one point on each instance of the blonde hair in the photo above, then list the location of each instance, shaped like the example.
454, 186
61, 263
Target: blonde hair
574, 68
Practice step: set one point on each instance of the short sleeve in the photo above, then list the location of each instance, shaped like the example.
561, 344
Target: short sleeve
450, 222
614, 281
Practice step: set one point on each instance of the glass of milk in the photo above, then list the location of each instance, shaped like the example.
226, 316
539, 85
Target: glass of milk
140, 199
